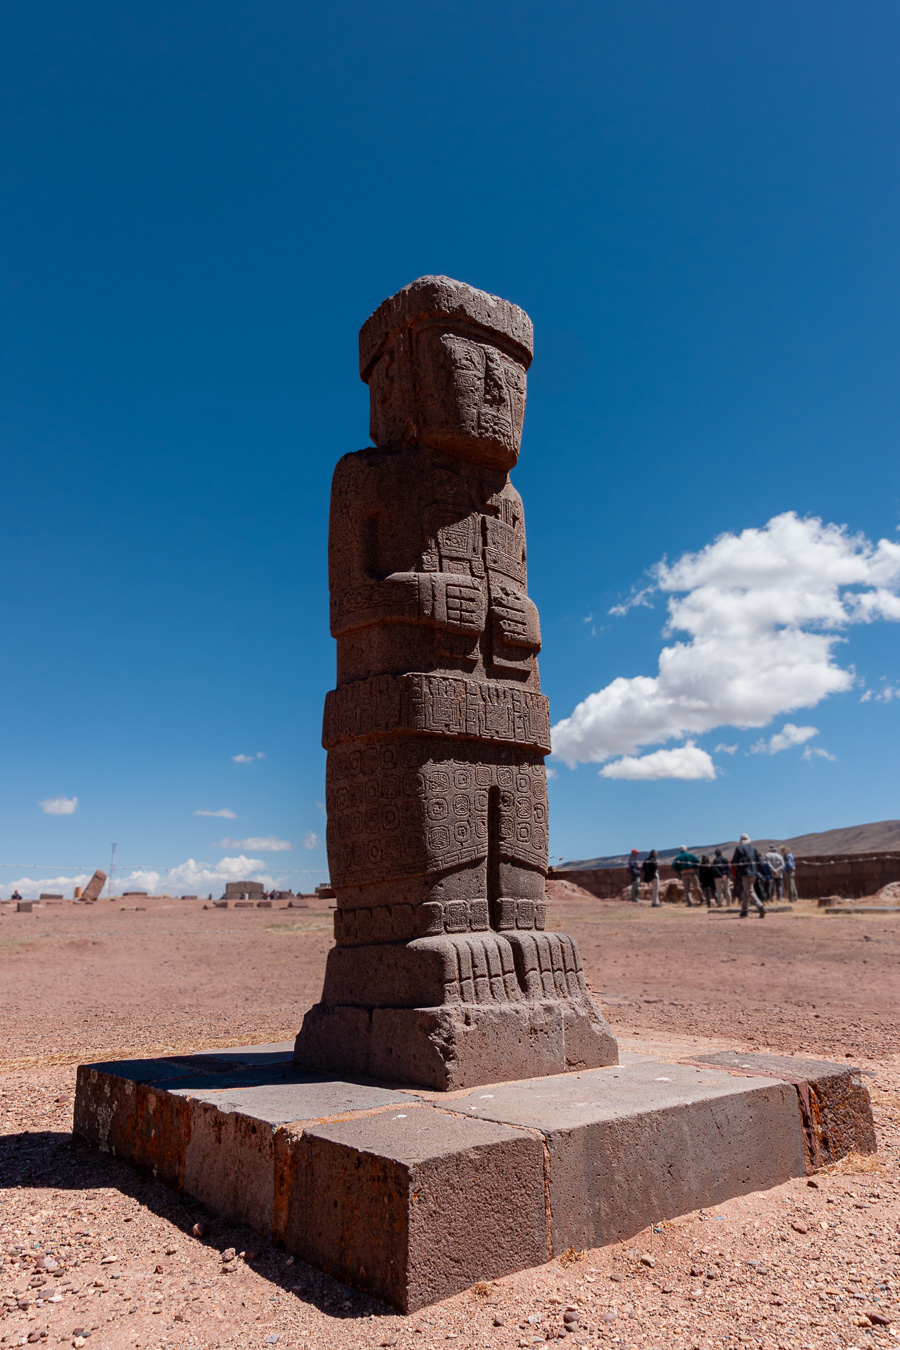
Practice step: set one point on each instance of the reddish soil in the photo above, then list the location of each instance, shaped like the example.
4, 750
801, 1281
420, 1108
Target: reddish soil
79, 983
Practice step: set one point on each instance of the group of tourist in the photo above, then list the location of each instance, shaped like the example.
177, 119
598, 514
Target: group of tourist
750, 877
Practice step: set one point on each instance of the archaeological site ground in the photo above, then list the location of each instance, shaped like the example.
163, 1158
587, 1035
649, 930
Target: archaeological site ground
792, 1266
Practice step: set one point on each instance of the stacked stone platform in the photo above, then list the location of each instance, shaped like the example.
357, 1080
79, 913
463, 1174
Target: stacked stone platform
413, 1195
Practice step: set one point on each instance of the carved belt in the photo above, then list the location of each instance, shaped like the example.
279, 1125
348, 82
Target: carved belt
436, 705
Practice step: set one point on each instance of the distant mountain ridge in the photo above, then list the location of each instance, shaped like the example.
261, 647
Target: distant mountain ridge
882, 836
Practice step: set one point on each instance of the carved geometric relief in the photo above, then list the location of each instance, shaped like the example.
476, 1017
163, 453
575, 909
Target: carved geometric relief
447, 705
440, 820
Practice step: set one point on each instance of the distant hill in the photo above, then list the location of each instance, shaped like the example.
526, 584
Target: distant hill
880, 837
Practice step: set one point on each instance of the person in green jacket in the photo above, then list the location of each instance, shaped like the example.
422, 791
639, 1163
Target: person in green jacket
685, 865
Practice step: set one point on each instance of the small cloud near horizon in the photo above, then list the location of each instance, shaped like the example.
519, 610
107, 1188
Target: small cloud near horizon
59, 806
248, 759
266, 844
224, 814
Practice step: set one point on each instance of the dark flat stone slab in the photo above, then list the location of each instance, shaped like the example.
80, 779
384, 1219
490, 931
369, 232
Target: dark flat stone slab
834, 1103
415, 1195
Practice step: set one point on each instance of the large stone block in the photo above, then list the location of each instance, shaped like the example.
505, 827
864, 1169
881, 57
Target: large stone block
448, 1048
834, 1105
415, 1205
646, 1140
413, 1195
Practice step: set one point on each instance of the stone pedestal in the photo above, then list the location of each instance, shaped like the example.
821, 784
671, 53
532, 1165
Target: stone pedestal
412, 1196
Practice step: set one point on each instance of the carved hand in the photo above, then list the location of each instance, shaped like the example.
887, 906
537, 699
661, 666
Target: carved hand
452, 600
515, 618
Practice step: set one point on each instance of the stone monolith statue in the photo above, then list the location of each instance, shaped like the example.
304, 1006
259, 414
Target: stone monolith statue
442, 975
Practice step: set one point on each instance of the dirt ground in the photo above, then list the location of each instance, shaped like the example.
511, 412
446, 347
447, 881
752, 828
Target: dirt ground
91, 1253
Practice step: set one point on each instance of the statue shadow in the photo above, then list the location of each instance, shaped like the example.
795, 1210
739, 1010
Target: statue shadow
55, 1160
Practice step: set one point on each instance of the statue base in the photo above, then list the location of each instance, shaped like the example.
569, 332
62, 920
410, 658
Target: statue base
455, 1047
457, 1010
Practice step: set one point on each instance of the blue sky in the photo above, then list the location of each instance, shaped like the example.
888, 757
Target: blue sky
696, 203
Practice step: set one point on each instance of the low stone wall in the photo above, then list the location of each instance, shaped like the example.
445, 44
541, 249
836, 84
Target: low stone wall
849, 875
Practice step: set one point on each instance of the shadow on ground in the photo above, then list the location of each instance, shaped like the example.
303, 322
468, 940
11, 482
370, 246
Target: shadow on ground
49, 1159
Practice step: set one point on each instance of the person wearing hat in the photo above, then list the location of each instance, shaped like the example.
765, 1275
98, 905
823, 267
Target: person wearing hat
634, 867
650, 873
685, 865
746, 862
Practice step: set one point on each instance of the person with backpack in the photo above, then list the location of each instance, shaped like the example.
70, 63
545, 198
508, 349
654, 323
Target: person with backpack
746, 860
634, 867
650, 873
685, 865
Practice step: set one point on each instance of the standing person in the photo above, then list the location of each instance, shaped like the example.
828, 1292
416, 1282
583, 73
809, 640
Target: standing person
634, 867
685, 865
764, 878
707, 877
790, 869
776, 867
722, 869
650, 872
746, 860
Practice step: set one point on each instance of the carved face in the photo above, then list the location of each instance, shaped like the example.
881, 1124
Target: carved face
451, 391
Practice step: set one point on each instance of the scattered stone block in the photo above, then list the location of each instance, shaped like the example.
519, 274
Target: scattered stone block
243, 890
25, 906
94, 887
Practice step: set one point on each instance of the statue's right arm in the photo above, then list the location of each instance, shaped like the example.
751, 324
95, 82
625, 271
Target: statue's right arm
359, 546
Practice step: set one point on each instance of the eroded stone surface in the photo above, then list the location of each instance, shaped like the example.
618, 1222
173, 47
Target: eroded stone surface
437, 730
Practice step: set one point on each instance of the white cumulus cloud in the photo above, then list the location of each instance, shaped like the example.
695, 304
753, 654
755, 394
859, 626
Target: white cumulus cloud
59, 806
685, 761
266, 844
723, 749
32, 887
886, 694
195, 878
311, 840
788, 736
248, 759
763, 612
224, 814
816, 752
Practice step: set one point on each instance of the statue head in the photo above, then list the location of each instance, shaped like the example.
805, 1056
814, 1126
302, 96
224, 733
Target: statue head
445, 365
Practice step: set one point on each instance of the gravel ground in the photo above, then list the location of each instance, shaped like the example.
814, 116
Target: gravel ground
91, 1253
